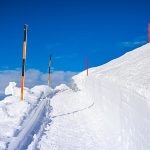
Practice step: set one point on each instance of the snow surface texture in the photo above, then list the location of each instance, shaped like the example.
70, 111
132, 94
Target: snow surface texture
17, 116
108, 110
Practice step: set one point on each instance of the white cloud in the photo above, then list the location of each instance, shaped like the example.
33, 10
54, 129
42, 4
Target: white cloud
33, 77
135, 42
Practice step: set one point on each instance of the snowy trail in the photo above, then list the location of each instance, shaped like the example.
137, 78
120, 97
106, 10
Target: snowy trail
30, 126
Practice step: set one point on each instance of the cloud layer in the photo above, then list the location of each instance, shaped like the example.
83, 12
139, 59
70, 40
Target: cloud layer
135, 42
33, 77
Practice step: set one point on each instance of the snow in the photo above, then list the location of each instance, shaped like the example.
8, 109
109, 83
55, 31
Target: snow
14, 112
108, 110
28, 128
10, 89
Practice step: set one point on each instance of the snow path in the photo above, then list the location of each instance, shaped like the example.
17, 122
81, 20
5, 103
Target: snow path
30, 126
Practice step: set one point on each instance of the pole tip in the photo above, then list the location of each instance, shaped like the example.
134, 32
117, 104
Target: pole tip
25, 26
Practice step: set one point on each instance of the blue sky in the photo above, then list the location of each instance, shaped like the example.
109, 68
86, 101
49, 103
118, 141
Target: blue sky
70, 30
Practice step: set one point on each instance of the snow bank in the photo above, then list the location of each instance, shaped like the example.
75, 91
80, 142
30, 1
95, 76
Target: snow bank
10, 89
130, 70
61, 88
13, 112
110, 111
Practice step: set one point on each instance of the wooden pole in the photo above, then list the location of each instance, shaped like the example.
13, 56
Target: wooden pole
49, 70
23, 61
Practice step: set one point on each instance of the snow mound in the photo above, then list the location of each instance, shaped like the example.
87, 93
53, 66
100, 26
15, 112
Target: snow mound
42, 89
10, 88
111, 111
130, 70
61, 88
14, 112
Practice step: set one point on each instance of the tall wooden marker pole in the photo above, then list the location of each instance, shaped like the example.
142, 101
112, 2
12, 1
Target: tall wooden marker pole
149, 33
49, 69
87, 72
24, 61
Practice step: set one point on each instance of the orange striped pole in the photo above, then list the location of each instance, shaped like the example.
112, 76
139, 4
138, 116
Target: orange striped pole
87, 72
23, 60
149, 33
49, 69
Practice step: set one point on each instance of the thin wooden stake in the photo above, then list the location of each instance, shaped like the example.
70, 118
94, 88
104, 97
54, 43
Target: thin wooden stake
49, 70
23, 61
